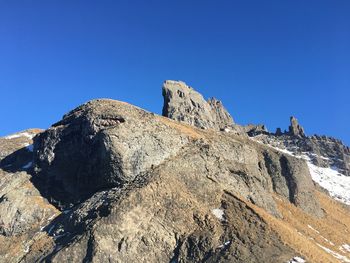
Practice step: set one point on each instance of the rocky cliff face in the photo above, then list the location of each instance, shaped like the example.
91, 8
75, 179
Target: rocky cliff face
321, 150
111, 182
183, 103
106, 143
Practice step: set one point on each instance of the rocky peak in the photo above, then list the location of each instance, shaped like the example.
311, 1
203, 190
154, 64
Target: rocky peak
183, 103
220, 114
278, 132
295, 129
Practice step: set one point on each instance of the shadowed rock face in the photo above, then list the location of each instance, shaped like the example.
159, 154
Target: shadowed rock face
183, 103
23, 210
290, 178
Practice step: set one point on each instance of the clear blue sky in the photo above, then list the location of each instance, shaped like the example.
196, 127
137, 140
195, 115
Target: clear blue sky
266, 60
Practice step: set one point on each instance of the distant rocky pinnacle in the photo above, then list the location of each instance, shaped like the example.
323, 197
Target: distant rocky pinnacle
322, 150
295, 129
111, 182
183, 103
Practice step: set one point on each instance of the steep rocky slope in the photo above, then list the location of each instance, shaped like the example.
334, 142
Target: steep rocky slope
328, 159
111, 182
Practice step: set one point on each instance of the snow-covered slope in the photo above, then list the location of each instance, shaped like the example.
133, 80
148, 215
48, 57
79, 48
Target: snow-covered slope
337, 184
329, 178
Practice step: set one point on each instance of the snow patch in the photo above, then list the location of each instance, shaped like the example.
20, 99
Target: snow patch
297, 260
219, 213
337, 184
284, 151
49, 222
26, 249
345, 248
313, 229
18, 135
319, 156
325, 239
334, 254
225, 244
275, 148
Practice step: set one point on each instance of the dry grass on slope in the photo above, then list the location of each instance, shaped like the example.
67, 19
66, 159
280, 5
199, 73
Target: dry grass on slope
311, 236
181, 127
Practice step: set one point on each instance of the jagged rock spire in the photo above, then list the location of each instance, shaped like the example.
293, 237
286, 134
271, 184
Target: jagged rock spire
278, 132
295, 129
183, 103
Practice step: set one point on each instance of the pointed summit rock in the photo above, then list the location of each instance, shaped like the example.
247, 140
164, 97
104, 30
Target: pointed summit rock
295, 129
183, 103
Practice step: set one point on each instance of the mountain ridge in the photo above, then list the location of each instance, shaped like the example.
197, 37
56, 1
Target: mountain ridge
112, 182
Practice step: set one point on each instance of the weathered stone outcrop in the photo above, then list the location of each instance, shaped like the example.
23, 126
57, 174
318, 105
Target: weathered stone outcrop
220, 115
295, 129
96, 141
289, 180
323, 151
253, 130
23, 210
183, 103
106, 144
16, 149
328, 152
18, 209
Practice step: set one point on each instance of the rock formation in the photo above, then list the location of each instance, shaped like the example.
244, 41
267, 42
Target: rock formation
252, 129
295, 129
278, 132
222, 118
111, 182
323, 151
97, 141
183, 103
